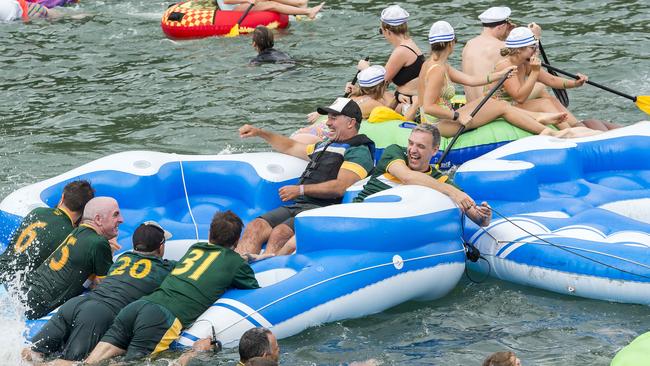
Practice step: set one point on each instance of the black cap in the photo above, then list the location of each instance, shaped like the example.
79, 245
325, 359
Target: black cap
149, 236
344, 106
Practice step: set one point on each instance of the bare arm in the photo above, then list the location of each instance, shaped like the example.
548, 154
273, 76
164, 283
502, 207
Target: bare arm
434, 80
279, 143
477, 80
408, 176
395, 63
520, 92
334, 188
556, 82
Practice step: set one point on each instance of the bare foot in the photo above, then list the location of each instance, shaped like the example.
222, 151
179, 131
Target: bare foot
551, 118
313, 11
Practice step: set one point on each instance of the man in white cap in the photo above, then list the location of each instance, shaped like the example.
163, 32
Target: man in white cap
336, 163
481, 53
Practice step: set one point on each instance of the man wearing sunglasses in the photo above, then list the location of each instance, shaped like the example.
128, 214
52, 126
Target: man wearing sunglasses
481, 53
82, 321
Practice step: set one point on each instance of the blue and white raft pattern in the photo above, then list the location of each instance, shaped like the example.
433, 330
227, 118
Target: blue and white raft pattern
577, 213
353, 259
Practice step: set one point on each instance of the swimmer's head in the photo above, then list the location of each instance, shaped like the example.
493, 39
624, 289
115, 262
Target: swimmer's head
262, 38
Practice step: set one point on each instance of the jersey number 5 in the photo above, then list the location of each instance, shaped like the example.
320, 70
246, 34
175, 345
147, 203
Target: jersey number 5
55, 264
195, 259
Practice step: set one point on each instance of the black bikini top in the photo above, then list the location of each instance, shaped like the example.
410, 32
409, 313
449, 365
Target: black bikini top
410, 72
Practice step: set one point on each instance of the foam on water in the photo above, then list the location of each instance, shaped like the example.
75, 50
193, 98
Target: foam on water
13, 328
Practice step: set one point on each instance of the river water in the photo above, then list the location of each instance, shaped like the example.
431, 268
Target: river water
72, 91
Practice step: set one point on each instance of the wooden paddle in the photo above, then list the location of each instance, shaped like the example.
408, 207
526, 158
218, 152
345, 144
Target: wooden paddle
641, 101
478, 107
234, 31
354, 79
560, 94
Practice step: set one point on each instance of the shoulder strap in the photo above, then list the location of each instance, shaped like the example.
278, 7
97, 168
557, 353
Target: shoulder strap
412, 50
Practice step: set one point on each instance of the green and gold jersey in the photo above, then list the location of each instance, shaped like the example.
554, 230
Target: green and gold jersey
83, 254
381, 179
204, 273
132, 276
39, 234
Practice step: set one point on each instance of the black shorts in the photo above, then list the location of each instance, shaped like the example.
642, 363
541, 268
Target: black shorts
75, 329
285, 214
143, 328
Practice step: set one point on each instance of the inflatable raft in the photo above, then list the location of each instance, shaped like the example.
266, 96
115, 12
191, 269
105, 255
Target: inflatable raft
352, 260
571, 216
202, 18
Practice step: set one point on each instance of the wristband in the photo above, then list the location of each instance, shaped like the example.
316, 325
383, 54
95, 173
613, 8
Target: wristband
488, 78
456, 115
564, 83
302, 189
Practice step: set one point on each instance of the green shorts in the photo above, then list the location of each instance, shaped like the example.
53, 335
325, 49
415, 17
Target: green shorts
75, 329
143, 328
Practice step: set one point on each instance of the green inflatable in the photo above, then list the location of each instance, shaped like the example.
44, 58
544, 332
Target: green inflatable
636, 353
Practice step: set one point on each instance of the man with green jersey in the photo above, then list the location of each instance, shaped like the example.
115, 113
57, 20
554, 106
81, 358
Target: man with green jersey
85, 255
149, 325
410, 165
41, 232
82, 321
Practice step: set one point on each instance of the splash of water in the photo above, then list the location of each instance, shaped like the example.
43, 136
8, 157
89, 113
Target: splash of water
12, 319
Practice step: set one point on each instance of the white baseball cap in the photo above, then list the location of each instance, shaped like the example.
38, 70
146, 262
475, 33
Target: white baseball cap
371, 76
394, 15
520, 37
441, 31
495, 14
10, 10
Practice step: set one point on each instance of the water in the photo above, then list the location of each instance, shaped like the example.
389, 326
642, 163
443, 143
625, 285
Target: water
76, 90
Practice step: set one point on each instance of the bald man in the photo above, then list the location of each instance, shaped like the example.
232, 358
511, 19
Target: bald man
83, 257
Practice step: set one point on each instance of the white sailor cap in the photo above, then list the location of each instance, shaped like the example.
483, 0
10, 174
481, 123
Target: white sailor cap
394, 15
441, 31
520, 37
371, 76
495, 15
9, 10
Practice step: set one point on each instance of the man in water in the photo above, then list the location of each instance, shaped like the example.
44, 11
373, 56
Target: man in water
41, 232
410, 165
82, 321
263, 44
334, 165
82, 258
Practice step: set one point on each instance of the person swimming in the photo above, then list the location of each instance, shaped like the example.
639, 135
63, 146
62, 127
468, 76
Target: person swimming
263, 42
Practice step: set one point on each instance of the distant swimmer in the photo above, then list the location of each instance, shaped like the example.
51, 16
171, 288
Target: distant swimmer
11, 10
263, 43
502, 359
289, 7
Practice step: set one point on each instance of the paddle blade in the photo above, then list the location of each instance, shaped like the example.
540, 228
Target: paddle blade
643, 102
234, 31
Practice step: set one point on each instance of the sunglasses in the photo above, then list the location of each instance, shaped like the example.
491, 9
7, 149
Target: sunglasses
381, 31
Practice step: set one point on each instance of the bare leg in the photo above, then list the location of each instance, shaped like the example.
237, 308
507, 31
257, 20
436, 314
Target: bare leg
103, 351
279, 237
284, 9
255, 234
289, 247
60, 362
296, 3
549, 105
595, 124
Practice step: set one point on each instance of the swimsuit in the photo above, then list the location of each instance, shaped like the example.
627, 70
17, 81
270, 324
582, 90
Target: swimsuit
447, 93
410, 72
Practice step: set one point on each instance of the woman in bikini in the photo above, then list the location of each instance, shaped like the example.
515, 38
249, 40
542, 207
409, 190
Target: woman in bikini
405, 62
521, 51
437, 90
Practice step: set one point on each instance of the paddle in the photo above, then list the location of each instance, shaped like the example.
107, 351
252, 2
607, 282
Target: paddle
641, 101
234, 31
354, 79
478, 107
560, 94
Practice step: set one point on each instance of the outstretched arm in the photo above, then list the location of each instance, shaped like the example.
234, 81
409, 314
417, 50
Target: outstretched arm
334, 188
280, 143
402, 172
477, 80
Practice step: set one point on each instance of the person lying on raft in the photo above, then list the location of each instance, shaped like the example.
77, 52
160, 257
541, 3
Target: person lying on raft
405, 62
289, 7
344, 158
369, 94
149, 325
436, 92
263, 43
41, 232
521, 51
81, 322
410, 165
